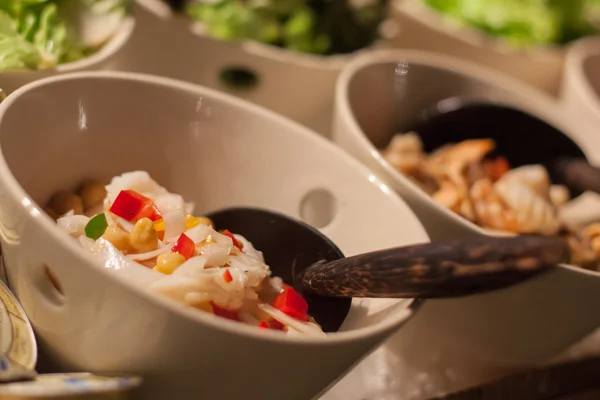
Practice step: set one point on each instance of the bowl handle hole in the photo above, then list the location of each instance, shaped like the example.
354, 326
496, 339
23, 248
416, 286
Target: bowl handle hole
239, 78
318, 208
50, 287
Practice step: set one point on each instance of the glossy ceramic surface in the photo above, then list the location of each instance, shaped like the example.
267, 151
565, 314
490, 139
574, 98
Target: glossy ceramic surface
580, 91
372, 104
104, 59
217, 151
425, 29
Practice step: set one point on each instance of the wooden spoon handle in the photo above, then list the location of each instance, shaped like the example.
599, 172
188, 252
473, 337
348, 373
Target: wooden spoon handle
440, 269
577, 173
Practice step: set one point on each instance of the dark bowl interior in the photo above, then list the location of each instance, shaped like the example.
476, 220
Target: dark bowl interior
520, 137
288, 245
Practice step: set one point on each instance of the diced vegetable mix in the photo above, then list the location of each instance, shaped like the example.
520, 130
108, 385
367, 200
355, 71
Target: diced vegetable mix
525, 23
216, 272
308, 26
487, 192
38, 34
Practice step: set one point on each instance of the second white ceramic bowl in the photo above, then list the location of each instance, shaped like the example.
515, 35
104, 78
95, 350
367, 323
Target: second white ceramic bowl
104, 59
296, 85
516, 326
423, 28
217, 151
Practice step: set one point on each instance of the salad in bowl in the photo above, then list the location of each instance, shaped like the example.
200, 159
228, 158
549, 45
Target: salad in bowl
134, 220
41, 34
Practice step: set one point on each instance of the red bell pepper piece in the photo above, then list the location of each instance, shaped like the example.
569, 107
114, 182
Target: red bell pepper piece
292, 303
184, 246
132, 206
236, 242
227, 276
496, 168
222, 312
263, 324
273, 324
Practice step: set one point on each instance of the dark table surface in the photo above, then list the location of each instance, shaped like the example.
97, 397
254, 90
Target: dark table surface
572, 381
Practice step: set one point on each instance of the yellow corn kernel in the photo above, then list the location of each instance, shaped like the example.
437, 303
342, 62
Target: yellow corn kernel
190, 222
168, 262
159, 225
193, 221
143, 236
118, 238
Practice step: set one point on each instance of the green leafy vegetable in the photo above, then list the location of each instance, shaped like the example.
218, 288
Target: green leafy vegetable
96, 227
525, 23
37, 34
309, 26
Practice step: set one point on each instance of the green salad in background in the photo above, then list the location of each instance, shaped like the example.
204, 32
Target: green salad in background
38, 34
526, 23
321, 27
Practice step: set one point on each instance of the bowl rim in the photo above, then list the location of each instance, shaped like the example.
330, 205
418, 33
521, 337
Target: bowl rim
315, 61
117, 41
48, 226
577, 56
440, 62
445, 25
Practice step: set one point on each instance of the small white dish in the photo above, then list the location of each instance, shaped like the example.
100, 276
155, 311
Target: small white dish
218, 151
517, 326
580, 91
104, 59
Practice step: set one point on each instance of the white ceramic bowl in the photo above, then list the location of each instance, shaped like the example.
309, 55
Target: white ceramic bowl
423, 28
298, 86
516, 326
580, 91
217, 151
104, 59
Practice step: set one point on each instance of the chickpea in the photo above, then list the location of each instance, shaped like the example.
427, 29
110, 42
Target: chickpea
92, 193
65, 201
118, 238
169, 262
143, 236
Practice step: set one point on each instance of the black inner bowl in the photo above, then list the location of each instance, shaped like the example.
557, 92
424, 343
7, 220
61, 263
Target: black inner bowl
520, 137
288, 245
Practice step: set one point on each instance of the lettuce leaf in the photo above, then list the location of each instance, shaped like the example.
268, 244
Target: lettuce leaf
37, 34
309, 26
523, 23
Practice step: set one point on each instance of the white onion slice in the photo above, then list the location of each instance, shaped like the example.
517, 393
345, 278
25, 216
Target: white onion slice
169, 202
151, 254
216, 254
193, 267
125, 225
306, 328
174, 221
199, 232
73, 224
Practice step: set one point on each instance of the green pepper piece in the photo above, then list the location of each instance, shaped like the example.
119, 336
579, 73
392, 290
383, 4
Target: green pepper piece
96, 226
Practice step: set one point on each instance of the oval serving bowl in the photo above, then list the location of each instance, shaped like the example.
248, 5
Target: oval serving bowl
372, 104
423, 28
189, 138
580, 91
295, 85
106, 58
